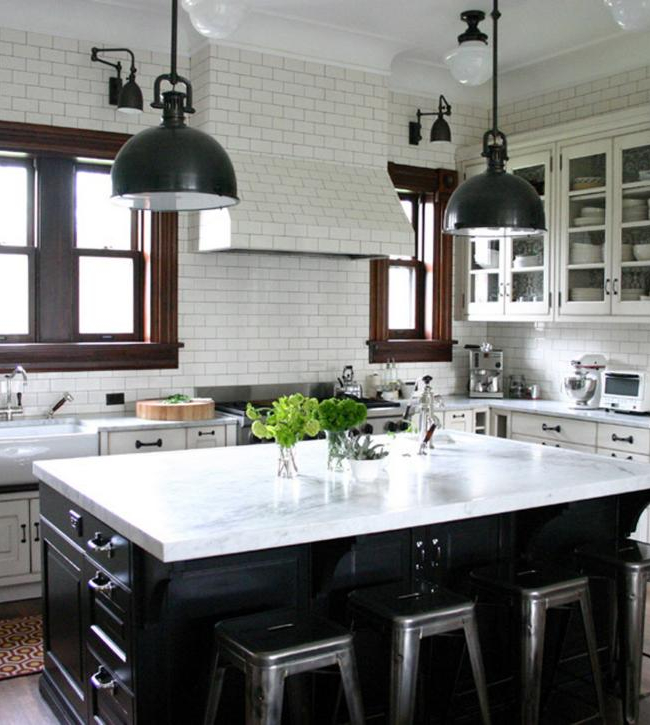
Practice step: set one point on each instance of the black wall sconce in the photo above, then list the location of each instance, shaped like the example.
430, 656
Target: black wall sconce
128, 96
440, 130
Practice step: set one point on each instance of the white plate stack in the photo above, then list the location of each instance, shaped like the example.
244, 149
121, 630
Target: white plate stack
635, 210
586, 294
631, 294
590, 216
586, 253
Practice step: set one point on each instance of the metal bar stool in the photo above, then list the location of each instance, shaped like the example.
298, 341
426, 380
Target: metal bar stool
270, 646
412, 614
534, 588
627, 565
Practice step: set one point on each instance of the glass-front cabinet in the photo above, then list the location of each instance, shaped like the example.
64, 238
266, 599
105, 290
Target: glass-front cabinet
631, 224
585, 248
509, 277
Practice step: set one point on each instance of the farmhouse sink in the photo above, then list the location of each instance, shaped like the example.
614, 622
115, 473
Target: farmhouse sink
23, 442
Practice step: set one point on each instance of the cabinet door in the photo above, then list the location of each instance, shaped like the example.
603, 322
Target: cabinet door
14, 538
35, 534
528, 259
146, 441
585, 229
206, 437
631, 225
459, 420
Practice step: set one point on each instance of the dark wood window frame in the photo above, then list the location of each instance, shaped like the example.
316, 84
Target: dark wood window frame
431, 340
53, 312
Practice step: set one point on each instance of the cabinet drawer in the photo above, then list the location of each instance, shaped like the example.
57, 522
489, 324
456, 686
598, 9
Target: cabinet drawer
624, 439
559, 430
111, 702
458, 420
554, 444
146, 441
624, 455
208, 437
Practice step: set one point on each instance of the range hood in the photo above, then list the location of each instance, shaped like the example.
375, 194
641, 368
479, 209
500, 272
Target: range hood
300, 206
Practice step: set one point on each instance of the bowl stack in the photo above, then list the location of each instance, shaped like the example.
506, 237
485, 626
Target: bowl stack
586, 253
590, 216
635, 210
586, 294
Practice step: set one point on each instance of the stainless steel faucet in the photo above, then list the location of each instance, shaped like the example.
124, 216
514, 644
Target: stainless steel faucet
67, 398
9, 409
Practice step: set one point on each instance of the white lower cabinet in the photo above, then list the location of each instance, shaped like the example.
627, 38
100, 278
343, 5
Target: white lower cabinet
566, 431
459, 420
155, 440
553, 444
20, 555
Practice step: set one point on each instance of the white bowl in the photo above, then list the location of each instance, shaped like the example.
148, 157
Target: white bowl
633, 203
588, 221
532, 260
641, 252
592, 211
366, 471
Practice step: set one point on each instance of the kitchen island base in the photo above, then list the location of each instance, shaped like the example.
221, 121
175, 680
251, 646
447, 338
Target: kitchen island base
128, 637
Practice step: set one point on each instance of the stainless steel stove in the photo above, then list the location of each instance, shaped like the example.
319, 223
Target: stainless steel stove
383, 416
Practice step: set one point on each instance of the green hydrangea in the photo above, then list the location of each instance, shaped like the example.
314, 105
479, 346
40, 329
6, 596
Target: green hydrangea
340, 414
289, 419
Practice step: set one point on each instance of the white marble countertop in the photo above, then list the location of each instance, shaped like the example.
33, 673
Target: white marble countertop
191, 504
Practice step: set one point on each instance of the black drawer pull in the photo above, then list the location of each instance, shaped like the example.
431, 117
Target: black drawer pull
101, 583
102, 680
622, 439
460, 415
37, 536
556, 428
100, 544
154, 444
555, 445
206, 433
23, 528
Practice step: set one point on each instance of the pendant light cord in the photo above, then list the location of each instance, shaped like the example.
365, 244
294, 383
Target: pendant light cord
174, 74
495, 74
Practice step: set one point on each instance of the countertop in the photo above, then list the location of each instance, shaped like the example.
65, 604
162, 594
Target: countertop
190, 504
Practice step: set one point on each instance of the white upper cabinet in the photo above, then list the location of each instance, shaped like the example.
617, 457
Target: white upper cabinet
594, 261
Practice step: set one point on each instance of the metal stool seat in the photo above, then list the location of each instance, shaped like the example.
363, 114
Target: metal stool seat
411, 615
534, 588
627, 564
270, 646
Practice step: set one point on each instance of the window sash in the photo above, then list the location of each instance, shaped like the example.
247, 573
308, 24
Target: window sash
30, 253
417, 331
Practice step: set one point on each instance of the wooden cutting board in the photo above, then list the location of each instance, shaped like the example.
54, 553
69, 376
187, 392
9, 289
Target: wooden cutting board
198, 409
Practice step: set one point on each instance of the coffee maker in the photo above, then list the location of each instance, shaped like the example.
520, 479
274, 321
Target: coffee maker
485, 371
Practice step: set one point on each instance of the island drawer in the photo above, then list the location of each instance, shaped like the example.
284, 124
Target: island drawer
565, 430
624, 438
554, 444
210, 436
458, 420
146, 441
624, 455
111, 701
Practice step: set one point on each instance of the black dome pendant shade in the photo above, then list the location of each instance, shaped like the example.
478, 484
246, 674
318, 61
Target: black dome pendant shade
173, 167
495, 203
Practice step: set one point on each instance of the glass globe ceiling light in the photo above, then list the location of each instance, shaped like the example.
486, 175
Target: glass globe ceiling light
470, 63
173, 167
632, 15
215, 18
494, 203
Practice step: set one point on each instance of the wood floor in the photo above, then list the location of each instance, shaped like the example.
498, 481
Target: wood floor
21, 703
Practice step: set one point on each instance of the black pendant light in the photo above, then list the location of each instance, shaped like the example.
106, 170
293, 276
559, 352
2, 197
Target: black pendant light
440, 131
173, 167
495, 203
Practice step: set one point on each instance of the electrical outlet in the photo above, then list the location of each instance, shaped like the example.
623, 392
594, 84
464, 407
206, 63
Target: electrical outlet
114, 398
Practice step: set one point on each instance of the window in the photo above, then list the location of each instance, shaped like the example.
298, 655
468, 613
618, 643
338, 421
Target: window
87, 284
411, 297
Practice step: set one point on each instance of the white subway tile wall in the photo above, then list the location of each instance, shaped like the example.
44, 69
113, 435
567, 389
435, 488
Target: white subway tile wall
244, 318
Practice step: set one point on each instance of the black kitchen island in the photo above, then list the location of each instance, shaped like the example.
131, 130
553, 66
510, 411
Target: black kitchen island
142, 555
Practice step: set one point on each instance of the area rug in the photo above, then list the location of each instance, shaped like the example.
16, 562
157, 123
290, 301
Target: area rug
21, 646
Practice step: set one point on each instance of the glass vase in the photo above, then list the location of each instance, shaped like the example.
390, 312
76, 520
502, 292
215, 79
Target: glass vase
336, 450
287, 463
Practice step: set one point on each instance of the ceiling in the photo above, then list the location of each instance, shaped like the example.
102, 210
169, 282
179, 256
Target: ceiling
406, 39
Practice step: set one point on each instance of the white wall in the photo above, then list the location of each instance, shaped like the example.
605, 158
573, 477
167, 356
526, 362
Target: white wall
243, 318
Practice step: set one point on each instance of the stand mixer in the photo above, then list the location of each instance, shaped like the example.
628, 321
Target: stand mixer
584, 386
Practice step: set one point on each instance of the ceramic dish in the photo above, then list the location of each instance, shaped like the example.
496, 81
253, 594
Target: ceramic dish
641, 252
528, 261
631, 202
592, 211
588, 222
587, 182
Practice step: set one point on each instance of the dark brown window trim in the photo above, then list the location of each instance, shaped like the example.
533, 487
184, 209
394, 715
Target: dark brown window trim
435, 344
160, 351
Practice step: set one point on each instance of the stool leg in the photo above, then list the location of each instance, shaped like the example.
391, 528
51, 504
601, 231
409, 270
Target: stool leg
405, 653
351, 686
264, 694
217, 675
533, 622
476, 660
632, 598
590, 634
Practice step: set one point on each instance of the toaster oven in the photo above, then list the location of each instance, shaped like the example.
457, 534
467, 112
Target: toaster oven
627, 391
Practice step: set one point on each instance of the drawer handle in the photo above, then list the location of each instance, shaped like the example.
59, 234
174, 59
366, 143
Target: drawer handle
154, 444
622, 439
23, 528
555, 428
102, 680
206, 433
101, 583
460, 415
555, 445
37, 533
100, 544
